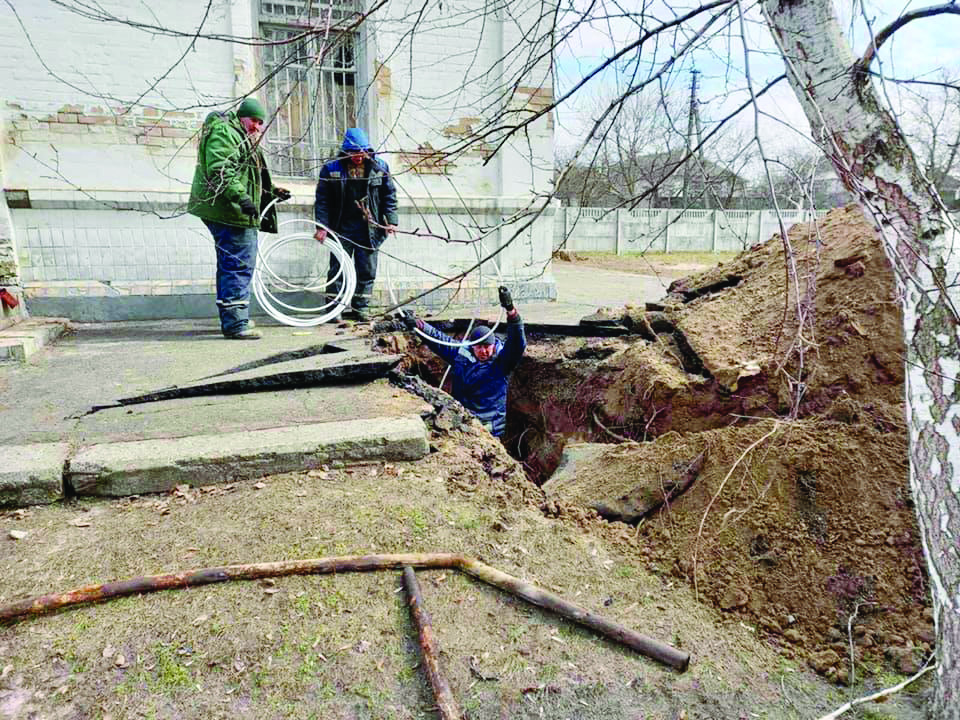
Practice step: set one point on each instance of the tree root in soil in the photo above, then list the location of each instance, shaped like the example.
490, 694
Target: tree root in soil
353, 563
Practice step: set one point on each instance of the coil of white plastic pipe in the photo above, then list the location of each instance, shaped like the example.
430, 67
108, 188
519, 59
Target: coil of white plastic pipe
264, 277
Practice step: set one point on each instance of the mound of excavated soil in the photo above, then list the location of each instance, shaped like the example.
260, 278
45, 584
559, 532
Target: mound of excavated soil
814, 523
792, 527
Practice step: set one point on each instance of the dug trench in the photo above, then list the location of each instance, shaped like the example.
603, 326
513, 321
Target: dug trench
771, 476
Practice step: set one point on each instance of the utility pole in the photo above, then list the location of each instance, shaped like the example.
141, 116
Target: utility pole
693, 141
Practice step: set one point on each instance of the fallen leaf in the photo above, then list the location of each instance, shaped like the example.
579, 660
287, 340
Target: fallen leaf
239, 666
79, 522
260, 485
6, 671
200, 620
18, 534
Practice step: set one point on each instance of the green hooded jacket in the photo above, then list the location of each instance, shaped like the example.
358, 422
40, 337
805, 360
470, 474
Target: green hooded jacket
229, 167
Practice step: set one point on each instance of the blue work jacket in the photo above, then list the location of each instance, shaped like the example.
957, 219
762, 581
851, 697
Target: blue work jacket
481, 387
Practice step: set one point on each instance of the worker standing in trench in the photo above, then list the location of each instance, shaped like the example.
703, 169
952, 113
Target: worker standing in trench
480, 376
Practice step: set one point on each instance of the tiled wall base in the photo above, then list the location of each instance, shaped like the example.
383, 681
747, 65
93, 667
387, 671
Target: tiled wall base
82, 303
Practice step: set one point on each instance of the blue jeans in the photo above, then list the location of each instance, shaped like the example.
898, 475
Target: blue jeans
236, 258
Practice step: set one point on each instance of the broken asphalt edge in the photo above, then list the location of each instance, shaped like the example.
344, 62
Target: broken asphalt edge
45, 473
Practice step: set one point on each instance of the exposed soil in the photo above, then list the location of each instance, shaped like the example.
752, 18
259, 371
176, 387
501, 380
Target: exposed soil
799, 516
342, 647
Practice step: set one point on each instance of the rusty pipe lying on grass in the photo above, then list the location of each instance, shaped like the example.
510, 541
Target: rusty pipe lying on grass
353, 563
446, 705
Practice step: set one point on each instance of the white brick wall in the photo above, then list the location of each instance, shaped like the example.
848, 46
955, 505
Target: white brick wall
69, 83
448, 89
82, 140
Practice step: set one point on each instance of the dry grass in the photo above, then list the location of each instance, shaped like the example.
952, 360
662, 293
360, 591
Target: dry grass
344, 647
672, 265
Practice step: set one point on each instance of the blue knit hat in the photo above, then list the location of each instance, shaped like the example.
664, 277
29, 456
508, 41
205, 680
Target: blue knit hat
480, 331
355, 140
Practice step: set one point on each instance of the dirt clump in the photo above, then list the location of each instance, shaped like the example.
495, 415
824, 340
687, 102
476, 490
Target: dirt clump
799, 520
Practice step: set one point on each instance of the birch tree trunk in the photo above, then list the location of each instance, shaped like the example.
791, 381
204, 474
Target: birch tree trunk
863, 141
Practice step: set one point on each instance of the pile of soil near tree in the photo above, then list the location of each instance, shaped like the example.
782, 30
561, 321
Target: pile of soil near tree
763, 463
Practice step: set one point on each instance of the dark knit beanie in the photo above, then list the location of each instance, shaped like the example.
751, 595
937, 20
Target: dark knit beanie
482, 331
252, 108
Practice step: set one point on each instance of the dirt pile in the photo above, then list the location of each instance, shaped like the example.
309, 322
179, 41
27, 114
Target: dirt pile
790, 406
725, 344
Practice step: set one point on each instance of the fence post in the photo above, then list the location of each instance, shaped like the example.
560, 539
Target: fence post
666, 232
618, 233
716, 231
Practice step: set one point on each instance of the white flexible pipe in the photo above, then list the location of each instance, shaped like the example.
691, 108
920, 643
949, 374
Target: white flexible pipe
304, 316
468, 343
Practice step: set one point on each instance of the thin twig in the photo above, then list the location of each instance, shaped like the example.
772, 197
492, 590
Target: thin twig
703, 520
610, 432
850, 620
882, 694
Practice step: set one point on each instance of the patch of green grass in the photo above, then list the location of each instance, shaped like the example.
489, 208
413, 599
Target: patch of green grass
513, 665
469, 520
549, 672
515, 633
869, 713
82, 624
169, 674
333, 600
302, 603
418, 521
624, 572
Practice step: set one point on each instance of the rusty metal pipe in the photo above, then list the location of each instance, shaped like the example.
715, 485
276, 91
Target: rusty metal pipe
446, 704
352, 563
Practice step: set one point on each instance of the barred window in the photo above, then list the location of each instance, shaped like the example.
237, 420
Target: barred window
311, 83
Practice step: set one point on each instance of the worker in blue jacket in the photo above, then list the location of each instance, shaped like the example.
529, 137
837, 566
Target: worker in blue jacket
357, 199
481, 376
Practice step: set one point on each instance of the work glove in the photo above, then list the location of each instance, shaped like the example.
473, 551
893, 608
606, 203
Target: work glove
409, 319
281, 194
248, 208
506, 300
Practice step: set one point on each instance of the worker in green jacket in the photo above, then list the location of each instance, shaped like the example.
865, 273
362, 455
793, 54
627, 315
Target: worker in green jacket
231, 186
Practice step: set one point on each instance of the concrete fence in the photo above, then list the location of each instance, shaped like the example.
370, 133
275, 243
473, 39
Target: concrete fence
588, 229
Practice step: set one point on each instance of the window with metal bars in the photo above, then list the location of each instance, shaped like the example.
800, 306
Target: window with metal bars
311, 88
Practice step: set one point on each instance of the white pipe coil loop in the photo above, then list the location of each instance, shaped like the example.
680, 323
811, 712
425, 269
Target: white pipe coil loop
264, 276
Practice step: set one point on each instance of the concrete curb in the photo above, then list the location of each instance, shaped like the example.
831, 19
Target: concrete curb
32, 474
151, 466
23, 339
44, 473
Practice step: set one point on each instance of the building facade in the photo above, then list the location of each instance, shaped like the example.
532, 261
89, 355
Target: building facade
101, 107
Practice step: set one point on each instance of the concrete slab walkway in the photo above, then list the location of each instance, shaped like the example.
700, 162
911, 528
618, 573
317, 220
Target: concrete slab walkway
49, 434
